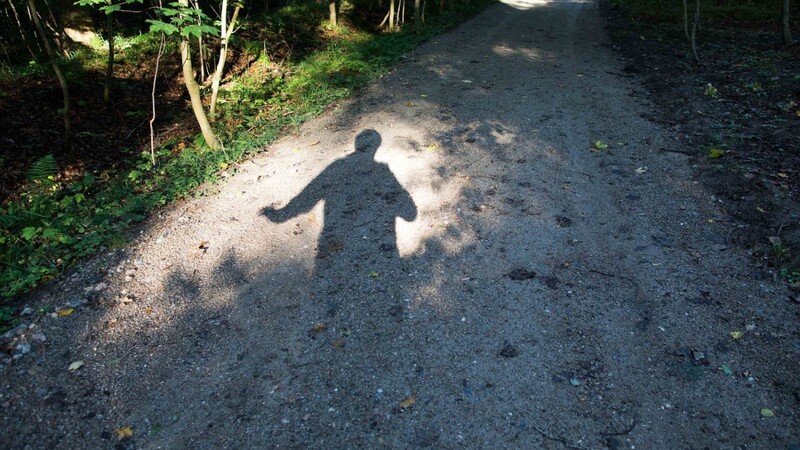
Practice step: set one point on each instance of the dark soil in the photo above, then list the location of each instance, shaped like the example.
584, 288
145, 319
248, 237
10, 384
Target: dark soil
104, 135
753, 118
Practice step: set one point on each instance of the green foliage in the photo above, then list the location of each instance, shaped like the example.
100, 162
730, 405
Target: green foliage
54, 223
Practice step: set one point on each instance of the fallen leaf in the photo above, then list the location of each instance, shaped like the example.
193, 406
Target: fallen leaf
408, 402
432, 147
315, 143
295, 149
409, 104
783, 175
124, 432
338, 343
641, 170
64, 312
422, 95
766, 412
716, 153
726, 370
600, 145
75, 366
319, 327
737, 334
203, 245
760, 209
148, 310
374, 274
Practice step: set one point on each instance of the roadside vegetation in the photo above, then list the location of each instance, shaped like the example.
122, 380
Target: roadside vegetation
132, 127
728, 80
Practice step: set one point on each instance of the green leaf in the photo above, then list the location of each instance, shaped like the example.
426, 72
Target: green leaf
157, 26
600, 145
108, 9
766, 412
198, 30
50, 233
134, 175
28, 233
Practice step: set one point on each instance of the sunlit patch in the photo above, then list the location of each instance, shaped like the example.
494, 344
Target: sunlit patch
529, 54
525, 4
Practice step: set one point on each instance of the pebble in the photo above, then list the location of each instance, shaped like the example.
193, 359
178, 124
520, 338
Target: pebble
27, 311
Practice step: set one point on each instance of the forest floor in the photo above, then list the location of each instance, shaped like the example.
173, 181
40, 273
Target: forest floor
504, 243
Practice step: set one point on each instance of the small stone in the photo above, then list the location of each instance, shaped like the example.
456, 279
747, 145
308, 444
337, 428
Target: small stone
509, 351
750, 327
99, 287
40, 337
77, 302
27, 311
24, 348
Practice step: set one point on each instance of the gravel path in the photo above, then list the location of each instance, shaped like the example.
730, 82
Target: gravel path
447, 261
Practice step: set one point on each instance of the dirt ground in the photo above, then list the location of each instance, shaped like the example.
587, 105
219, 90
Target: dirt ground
494, 246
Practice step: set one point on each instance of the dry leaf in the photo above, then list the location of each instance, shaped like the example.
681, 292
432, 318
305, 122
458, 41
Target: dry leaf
315, 143
409, 104
641, 170
75, 366
124, 432
64, 312
338, 343
148, 310
783, 175
716, 153
335, 246
408, 402
737, 334
320, 327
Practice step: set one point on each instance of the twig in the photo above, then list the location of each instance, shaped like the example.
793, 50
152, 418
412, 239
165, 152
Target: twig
128, 136
556, 438
153, 98
622, 277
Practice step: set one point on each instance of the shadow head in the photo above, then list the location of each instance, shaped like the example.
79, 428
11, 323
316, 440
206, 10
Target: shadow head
368, 142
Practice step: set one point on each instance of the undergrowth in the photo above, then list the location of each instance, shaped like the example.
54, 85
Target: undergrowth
54, 222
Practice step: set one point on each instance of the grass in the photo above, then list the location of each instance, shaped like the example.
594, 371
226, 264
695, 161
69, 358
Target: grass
54, 222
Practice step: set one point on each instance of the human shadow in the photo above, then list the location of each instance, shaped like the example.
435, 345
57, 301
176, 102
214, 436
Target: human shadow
362, 201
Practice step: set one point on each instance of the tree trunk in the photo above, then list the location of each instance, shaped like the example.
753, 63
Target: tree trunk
225, 35
417, 15
694, 30
391, 14
686, 20
332, 12
787, 29
110, 64
61, 80
194, 90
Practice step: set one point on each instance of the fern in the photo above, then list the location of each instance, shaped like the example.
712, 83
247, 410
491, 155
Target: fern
44, 168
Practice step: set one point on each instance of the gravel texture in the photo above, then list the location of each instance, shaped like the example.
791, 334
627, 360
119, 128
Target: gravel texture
446, 261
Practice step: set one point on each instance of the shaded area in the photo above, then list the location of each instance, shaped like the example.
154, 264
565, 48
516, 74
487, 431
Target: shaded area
544, 294
362, 200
